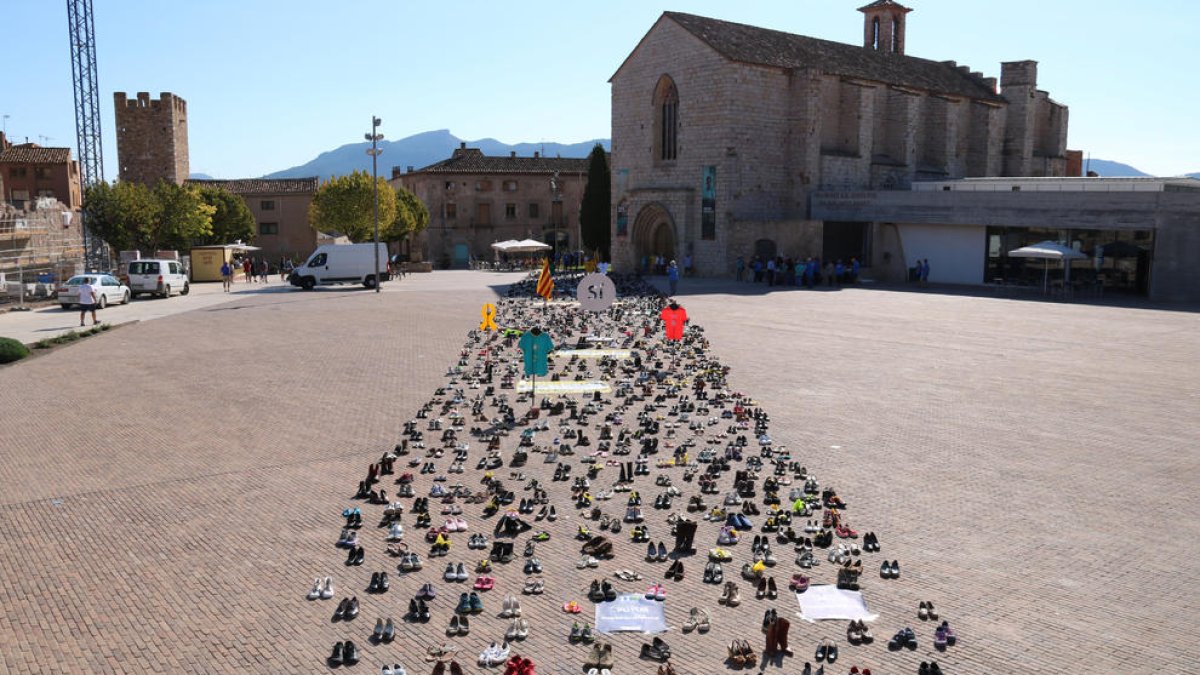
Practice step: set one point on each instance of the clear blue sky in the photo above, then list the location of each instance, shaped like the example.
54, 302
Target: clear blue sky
272, 83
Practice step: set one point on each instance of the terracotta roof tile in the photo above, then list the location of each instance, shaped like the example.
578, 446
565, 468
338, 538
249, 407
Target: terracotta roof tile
472, 160
751, 44
31, 153
261, 186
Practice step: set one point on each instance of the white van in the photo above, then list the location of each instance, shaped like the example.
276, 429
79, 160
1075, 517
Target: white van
341, 264
159, 277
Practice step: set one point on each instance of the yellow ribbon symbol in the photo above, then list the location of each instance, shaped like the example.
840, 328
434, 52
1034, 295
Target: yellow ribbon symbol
489, 318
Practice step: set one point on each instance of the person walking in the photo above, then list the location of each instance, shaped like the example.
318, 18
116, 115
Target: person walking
739, 268
226, 275
87, 300
264, 270
687, 265
925, 272
248, 269
673, 276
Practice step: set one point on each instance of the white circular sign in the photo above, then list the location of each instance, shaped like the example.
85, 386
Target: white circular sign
596, 292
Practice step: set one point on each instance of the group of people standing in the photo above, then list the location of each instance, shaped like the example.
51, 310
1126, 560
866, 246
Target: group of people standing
809, 272
254, 270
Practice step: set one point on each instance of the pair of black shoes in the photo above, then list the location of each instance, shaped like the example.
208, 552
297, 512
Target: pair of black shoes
355, 556
344, 653
601, 592
502, 552
930, 668
379, 583
827, 651
346, 610
903, 638
354, 520
417, 611
870, 543
675, 571
657, 650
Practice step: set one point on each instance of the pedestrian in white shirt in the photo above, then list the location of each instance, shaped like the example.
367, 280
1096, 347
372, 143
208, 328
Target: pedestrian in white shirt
87, 301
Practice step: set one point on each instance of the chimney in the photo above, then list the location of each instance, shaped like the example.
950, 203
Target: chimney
1018, 73
462, 145
536, 154
410, 169
512, 154
395, 172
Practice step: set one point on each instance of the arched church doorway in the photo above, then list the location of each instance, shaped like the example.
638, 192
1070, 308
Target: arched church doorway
653, 236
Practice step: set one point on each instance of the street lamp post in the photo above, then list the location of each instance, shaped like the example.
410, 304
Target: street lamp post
374, 153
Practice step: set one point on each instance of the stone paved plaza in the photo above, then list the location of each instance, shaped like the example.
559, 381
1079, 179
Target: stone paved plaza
170, 488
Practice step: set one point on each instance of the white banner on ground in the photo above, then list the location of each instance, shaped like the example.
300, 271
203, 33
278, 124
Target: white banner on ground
595, 353
564, 387
830, 602
631, 613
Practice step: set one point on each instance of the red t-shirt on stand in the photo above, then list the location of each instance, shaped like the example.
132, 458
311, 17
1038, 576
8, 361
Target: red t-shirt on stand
673, 320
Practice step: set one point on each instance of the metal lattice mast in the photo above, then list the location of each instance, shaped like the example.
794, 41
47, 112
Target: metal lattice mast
87, 106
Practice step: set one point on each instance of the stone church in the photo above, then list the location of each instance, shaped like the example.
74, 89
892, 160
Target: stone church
722, 132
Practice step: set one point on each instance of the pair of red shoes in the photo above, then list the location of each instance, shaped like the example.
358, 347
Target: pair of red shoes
519, 665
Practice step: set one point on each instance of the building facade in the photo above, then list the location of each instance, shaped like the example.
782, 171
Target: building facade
475, 200
722, 132
280, 210
152, 138
29, 171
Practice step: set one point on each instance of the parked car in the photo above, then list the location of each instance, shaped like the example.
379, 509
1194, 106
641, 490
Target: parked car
159, 277
342, 264
109, 290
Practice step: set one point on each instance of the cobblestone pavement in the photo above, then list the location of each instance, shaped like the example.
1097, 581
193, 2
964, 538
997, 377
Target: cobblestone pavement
1031, 466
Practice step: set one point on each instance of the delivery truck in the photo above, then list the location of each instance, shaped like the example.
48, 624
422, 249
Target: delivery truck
342, 264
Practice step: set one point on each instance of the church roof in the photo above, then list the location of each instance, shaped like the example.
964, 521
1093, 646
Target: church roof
763, 46
32, 153
879, 4
472, 160
261, 186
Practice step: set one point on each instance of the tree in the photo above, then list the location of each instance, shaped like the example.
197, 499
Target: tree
412, 216
118, 213
344, 204
133, 216
183, 218
231, 218
596, 207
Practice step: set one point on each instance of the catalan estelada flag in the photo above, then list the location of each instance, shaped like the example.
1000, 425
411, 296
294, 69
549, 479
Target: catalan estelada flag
545, 284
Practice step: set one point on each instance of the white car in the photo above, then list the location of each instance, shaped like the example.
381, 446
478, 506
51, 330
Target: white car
158, 277
109, 290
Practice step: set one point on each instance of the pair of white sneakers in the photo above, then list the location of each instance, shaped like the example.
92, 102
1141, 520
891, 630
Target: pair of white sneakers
394, 669
321, 589
495, 654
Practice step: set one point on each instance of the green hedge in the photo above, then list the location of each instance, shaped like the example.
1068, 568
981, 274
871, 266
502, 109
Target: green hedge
11, 350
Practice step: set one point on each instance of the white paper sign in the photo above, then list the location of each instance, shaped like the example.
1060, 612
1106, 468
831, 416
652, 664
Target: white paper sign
631, 613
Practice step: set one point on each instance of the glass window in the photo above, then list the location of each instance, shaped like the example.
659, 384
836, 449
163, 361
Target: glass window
142, 267
533, 210
268, 228
318, 261
42, 172
267, 204
510, 211
451, 211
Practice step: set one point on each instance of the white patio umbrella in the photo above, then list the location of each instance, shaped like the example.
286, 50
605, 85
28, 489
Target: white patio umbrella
503, 246
1047, 251
528, 246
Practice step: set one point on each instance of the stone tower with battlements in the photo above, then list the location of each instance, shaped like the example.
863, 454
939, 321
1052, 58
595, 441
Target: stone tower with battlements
152, 138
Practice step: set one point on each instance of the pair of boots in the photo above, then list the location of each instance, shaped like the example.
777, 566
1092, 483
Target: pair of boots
502, 552
685, 532
626, 473
777, 637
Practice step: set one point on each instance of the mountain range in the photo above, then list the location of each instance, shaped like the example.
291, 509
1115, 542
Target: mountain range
421, 150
